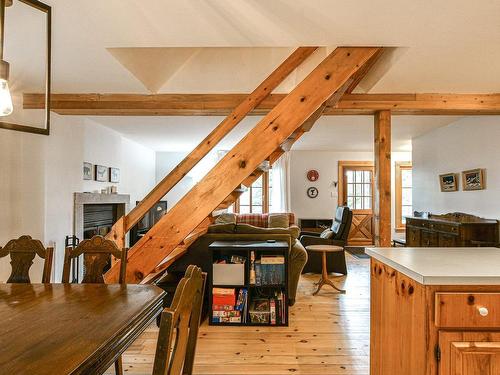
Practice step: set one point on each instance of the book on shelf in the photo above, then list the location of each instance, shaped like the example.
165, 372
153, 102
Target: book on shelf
269, 273
271, 310
272, 259
233, 310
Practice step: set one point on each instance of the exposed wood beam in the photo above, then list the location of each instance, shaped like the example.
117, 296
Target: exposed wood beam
245, 157
223, 104
246, 105
362, 73
382, 209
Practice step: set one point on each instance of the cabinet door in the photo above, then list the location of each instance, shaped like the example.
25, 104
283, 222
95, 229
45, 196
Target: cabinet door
412, 236
447, 240
429, 239
469, 353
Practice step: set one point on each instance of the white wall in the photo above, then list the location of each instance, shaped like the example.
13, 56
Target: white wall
469, 143
166, 161
326, 163
39, 175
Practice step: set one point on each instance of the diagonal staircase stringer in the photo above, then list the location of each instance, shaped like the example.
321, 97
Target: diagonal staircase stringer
326, 79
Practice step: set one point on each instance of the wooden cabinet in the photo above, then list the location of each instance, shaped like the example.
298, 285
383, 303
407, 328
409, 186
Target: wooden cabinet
451, 230
469, 353
421, 329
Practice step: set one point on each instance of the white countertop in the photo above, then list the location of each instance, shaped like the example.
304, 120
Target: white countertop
443, 265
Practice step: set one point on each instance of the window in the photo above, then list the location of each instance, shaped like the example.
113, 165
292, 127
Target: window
404, 206
359, 194
257, 198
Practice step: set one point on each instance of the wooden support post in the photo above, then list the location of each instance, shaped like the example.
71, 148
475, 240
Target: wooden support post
383, 179
244, 158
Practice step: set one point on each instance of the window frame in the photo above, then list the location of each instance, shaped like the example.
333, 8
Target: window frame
265, 195
399, 167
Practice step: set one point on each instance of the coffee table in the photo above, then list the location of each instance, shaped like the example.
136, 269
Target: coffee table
324, 249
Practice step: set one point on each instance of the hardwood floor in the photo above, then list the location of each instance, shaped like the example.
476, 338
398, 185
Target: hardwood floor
328, 334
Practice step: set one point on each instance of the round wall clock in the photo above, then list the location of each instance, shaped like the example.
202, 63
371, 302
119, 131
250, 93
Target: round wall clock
312, 175
312, 192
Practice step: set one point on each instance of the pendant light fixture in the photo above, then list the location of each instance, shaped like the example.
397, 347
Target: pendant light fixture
6, 106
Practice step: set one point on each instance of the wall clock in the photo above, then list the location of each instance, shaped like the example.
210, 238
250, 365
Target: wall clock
312, 192
312, 175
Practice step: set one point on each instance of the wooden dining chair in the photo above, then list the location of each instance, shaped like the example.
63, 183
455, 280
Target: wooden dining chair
97, 253
22, 253
180, 321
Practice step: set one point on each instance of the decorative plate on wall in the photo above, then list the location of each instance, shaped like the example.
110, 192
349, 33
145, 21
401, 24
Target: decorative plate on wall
312, 192
312, 175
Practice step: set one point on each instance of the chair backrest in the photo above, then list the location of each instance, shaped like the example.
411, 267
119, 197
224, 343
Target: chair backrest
97, 253
182, 318
341, 223
22, 252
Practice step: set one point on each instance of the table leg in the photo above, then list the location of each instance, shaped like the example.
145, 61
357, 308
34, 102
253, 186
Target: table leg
324, 277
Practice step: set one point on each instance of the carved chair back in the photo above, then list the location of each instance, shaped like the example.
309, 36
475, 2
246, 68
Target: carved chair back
97, 252
22, 253
179, 324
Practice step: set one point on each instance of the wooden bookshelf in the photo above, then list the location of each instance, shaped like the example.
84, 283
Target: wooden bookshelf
221, 249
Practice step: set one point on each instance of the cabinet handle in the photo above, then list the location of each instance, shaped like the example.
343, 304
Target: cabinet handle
483, 311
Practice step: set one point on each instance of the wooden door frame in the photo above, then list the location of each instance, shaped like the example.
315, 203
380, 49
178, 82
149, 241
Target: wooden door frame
342, 166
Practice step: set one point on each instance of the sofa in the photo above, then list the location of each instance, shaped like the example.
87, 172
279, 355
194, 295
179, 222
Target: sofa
335, 235
244, 227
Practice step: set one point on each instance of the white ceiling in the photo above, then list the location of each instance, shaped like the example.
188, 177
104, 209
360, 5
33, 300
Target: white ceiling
340, 133
108, 46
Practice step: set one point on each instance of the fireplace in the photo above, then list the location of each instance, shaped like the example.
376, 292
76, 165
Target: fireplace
96, 213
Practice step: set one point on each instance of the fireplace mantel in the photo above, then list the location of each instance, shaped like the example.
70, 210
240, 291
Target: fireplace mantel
80, 199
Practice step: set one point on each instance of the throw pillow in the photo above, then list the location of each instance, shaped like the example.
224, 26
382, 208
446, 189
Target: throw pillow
226, 218
327, 234
278, 221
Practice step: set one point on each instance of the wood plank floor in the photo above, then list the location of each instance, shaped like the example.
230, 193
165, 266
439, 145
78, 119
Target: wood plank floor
328, 334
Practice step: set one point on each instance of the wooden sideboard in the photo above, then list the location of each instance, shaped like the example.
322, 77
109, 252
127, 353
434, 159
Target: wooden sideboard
451, 230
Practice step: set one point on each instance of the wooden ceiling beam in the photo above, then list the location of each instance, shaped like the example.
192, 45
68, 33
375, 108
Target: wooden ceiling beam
223, 104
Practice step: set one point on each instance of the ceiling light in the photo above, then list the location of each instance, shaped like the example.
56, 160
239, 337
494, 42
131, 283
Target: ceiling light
6, 106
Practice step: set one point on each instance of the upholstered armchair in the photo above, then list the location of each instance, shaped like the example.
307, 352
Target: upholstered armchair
336, 235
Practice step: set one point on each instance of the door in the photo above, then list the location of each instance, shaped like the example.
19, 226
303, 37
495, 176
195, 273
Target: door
356, 192
469, 353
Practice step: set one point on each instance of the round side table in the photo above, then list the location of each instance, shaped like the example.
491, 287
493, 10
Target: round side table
324, 270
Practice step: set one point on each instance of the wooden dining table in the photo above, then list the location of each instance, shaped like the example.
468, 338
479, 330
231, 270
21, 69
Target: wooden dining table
61, 329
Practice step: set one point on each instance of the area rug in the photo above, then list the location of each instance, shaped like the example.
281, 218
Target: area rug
358, 252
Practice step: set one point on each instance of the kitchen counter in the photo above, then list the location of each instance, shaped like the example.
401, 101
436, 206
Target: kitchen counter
434, 311
443, 266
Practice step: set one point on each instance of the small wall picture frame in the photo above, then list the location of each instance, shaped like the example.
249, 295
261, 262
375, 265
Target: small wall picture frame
114, 175
87, 170
101, 173
448, 182
473, 179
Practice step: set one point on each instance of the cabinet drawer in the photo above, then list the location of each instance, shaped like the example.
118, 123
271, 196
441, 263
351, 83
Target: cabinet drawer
447, 240
447, 228
429, 239
467, 310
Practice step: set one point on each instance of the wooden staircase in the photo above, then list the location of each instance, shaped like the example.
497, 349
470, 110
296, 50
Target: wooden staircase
267, 141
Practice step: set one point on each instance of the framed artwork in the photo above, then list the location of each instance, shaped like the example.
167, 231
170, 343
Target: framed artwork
448, 182
28, 23
101, 173
87, 171
473, 179
114, 175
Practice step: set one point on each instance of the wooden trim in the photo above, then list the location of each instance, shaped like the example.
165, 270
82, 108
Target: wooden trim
342, 165
382, 194
211, 104
329, 76
398, 220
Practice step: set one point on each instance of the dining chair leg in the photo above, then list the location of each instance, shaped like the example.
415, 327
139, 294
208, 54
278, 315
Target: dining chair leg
119, 366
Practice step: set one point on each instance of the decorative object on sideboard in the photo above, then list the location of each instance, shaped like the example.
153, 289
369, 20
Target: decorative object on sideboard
87, 171
448, 182
19, 33
312, 175
312, 192
114, 175
101, 173
473, 179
